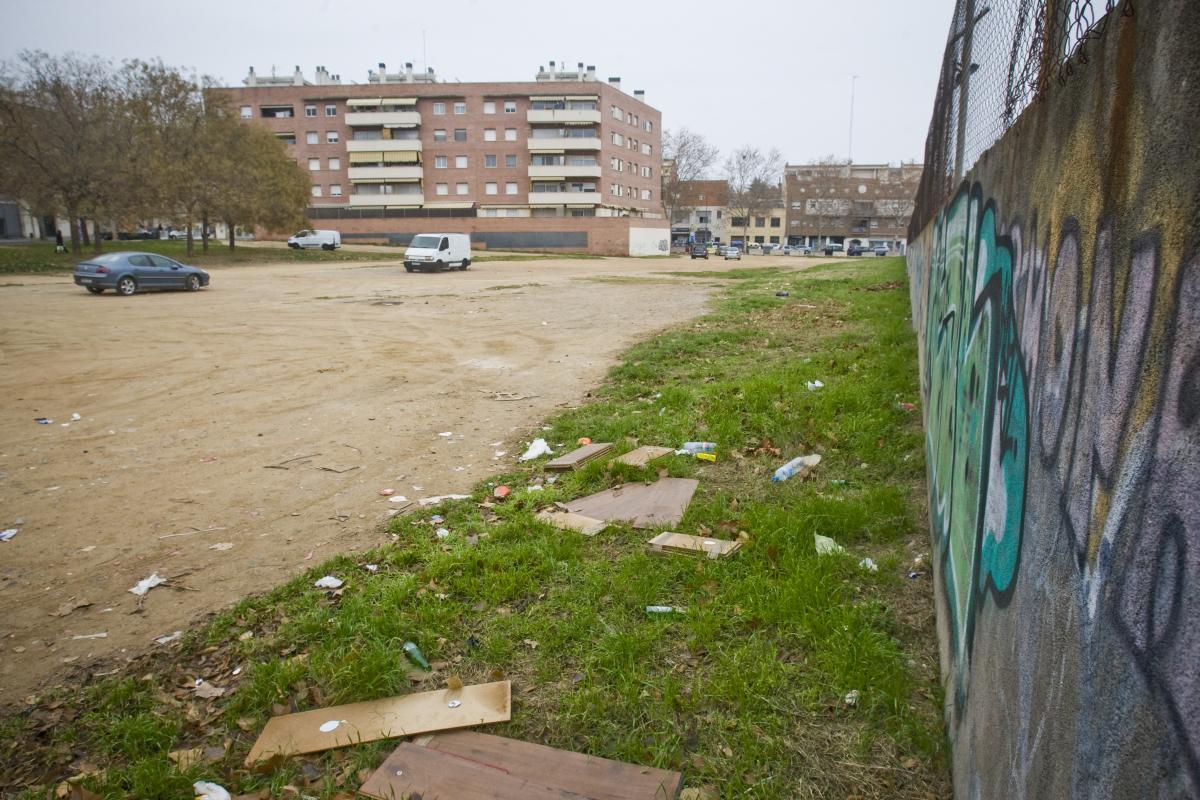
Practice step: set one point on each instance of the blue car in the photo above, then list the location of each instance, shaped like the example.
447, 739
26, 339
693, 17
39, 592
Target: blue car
129, 273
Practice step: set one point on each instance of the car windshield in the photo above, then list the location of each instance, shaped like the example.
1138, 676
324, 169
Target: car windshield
107, 258
426, 241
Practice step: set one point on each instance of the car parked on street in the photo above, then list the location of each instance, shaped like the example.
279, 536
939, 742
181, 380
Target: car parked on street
855, 250
833, 247
797, 250
881, 250
128, 273
326, 240
732, 253
699, 251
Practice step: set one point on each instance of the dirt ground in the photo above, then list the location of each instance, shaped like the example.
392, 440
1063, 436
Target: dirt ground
345, 377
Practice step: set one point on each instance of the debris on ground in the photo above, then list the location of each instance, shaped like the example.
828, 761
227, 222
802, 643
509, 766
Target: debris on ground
170, 637
43, 421
812, 386
221, 546
669, 542
210, 791
577, 458
206, 691
537, 447
501, 492
80, 636
146, 584
582, 440
826, 546
643, 455
573, 522
433, 501
906, 406
442, 533
329, 582
692, 448
799, 467
70, 605
851, 698
645, 505
387, 492
869, 564
666, 610
416, 655
8, 534
397, 498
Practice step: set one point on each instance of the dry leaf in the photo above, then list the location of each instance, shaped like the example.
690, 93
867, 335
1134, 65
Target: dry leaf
454, 683
207, 691
69, 606
532, 644
245, 723
726, 751
700, 793
186, 758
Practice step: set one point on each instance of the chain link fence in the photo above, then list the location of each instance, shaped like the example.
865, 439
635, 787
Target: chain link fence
1000, 56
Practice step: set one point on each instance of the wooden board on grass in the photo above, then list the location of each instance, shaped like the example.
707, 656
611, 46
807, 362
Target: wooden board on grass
573, 522
475, 766
686, 543
577, 458
643, 455
424, 712
645, 505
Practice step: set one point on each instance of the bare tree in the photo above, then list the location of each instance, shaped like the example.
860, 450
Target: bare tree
829, 167
754, 183
691, 157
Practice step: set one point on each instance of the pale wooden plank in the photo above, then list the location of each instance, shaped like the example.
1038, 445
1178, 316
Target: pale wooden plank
643, 455
577, 458
385, 718
686, 543
412, 771
645, 505
573, 522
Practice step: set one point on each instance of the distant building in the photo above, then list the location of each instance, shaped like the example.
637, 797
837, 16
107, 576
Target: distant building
702, 216
767, 226
868, 204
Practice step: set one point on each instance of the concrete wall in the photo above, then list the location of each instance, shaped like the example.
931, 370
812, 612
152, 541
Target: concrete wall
649, 241
1057, 302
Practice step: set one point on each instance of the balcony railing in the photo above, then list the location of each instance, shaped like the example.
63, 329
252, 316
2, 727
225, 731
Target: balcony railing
565, 143
564, 198
386, 199
354, 118
564, 171
535, 115
391, 173
382, 145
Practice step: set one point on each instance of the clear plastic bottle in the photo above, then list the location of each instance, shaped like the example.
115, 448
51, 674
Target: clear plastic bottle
798, 464
693, 448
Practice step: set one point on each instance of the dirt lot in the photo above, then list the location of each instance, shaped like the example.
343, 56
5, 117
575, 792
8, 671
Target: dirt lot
344, 376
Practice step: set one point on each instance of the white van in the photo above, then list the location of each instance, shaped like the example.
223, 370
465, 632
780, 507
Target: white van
326, 240
438, 251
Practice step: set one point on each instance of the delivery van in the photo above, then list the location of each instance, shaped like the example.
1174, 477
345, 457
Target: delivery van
438, 251
326, 240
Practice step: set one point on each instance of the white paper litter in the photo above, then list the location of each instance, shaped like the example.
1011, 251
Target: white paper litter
433, 501
446, 434
851, 698
329, 582
210, 791
371, 567
442, 533
826, 546
75, 417
79, 636
221, 546
397, 498
8, 534
869, 564
499, 454
813, 385
537, 447
170, 637
146, 584
534, 488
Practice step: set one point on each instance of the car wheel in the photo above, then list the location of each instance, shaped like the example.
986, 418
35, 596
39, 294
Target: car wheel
326, 247
407, 268
95, 289
193, 283
441, 266
465, 263
126, 286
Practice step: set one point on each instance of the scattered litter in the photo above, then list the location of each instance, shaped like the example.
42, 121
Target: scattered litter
190, 532
75, 417
437, 519
433, 501
826, 546
210, 791
686, 543
537, 447
186, 758
643, 455
387, 492
799, 466
501, 492
368, 721
906, 406
454, 704
8, 534
246, 636
691, 448
80, 636
206, 691
577, 458
582, 440
499, 454
645, 505
913, 575
869, 564
814, 385
781, 294
329, 582
574, 522
710, 457
446, 434
221, 546
397, 498
146, 584
170, 637
534, 488
371, 567
851, 698
43, 421
551, 479
69, 606
666, 610
442, 533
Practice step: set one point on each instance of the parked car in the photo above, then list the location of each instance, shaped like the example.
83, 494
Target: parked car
797, 250
129, 273
772, 249
881, 250
855, 250
833, 247
754, 249
733, 253
699, 251
326, 240
438, 251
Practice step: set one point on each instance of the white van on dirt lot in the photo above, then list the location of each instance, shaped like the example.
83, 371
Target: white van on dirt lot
326, 240
438, 251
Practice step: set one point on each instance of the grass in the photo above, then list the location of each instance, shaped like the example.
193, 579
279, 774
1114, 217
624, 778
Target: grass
745, 692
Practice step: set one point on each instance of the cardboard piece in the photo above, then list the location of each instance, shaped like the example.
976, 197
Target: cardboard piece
643, 455
645, 505
339, 726
573, 522
577, 458
686, 543
475, 766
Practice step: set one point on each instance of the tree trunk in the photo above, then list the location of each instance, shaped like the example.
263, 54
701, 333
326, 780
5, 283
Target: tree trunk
83, 232
191, 244
73, 221
204, 232
97, 238
229, 226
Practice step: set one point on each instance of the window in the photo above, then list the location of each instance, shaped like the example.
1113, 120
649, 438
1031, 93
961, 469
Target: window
310, 111
616, 112
335, 163
647, 149
460, 108
615, 190
439, 162
490, 188
645, 194
247, 112
510, 160
648, 126
774, 222
331, 111
758, 239
513, 212
460, 134
439, 109
738, 222
510, 106
461, 188
760, 222
774, 240
618, 139
442, 188
491, 212
439, 135
615, 163
460, 162
703, 218
510, 188
510, 134
286, 138
311, 137
331, 137
316, 190
314, 164
489, 161
489, 106
489, 134
647, 172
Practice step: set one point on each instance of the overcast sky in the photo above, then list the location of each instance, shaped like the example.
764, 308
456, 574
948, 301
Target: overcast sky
763, 73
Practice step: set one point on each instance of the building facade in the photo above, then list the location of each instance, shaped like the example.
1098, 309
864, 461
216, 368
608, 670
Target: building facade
563, 162
766, 226
702, 217
866, 204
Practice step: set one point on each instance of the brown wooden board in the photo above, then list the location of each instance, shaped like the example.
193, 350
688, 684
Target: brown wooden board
577, 458
573, 522
686, 543
645, 505
367, 721
643, 455
474, 766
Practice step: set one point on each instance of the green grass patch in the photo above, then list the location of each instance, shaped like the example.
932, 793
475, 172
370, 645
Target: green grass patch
745, 692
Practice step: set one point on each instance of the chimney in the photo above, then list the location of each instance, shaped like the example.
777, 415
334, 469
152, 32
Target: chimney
615, 83
382, 72
591, 72
579, 72
252, 79
552, 71
297, 77
408, 71
640, 94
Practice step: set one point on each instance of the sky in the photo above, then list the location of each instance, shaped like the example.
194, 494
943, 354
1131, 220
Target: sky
763, 73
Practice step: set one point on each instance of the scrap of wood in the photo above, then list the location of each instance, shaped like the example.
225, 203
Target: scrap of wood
643, 455
337, 470
474, 766
645, 505
281, 464
578, 457
407, 715
686, 543
573, 522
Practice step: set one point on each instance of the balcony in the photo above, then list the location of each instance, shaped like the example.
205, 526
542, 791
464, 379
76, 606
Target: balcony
565, 171
382, 145
393, 200
562, 115
564, 198
572, 143
398, 173
383, 118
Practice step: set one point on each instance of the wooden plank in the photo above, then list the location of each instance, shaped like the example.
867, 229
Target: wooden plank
577, 458
407, 715
645, 505
643, 455
514, 770
686, 543
573, 522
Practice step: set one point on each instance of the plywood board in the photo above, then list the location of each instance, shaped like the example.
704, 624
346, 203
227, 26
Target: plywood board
645, 505
643, 455
473, 766
338, 726
573, 522
686, 543
577, 458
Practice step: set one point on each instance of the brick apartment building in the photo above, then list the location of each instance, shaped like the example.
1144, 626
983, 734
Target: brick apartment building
848, 203
564, 162
701, 217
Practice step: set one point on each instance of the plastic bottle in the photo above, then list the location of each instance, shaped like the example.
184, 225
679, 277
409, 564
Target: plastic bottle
795, 465
692, 448
416, 655
665, 610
